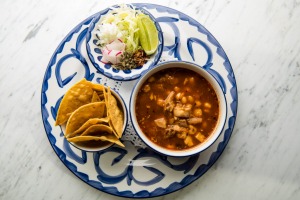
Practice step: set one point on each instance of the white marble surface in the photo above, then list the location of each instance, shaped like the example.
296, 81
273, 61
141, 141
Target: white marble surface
261, 39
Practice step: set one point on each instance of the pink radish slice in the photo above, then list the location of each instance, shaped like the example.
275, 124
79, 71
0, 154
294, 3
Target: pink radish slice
116, 45
112, 56
105, 52
113, 51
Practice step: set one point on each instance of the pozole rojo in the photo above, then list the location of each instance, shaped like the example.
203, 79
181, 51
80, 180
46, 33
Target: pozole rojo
177, 108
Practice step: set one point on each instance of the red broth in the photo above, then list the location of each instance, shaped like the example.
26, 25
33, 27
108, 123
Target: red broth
177, 108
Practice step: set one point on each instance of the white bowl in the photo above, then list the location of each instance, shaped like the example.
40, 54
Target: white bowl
104, 147
222, 109
95, 53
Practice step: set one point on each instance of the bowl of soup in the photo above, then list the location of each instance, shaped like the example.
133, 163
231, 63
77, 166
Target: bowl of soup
178, 109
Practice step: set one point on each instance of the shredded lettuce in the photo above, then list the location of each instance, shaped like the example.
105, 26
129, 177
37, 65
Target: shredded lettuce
120, 23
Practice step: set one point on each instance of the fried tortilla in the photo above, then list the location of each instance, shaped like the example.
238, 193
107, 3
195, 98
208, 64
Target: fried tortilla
88, 124
110, 138
83, 114
115, 114
78, 95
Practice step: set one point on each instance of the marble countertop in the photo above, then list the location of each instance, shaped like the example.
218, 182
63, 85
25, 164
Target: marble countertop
261, 39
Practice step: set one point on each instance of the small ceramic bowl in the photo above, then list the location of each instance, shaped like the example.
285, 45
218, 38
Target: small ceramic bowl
95, 53
106, 145
222, 109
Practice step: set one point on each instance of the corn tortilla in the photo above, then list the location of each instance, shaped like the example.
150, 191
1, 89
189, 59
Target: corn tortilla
88, 124
115, 114
83, 114
98, 130
95, 97
78, 95
110, 138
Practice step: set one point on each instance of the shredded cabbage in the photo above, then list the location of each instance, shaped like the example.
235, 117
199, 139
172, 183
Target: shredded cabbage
120, 23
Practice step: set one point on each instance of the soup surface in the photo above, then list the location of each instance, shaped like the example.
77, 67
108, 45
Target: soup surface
177, 108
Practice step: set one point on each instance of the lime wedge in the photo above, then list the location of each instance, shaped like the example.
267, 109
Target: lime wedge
148, 34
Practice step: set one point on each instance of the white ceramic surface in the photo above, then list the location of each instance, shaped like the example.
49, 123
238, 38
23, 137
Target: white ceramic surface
261, 38
222, 108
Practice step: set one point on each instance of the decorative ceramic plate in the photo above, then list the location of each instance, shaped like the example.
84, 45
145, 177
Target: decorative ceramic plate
95, 54
134, 171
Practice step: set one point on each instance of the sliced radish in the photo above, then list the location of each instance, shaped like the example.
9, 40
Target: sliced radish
112, 56
105, 52
116, 45
113, 51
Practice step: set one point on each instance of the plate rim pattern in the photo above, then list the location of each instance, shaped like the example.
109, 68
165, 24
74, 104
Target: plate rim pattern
202, 169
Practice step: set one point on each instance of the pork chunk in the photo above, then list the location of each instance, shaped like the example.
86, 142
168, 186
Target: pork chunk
161, 122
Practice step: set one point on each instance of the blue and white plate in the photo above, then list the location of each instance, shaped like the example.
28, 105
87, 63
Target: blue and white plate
136, 172
95, 53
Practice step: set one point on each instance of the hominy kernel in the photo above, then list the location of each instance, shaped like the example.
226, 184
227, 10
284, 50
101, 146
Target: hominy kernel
178, 96
185, 81
207, 105
197, 103
192, 80
184, 100
197, 112
191, 99
151, 96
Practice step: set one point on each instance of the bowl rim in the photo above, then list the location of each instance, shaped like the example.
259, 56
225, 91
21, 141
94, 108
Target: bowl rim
193, 150
112, 74
125, 114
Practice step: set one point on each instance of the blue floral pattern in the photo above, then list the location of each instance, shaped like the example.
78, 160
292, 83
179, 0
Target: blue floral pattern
127, 171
